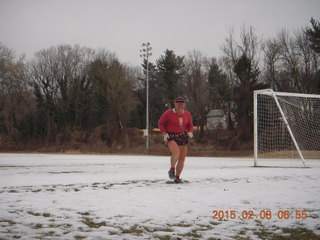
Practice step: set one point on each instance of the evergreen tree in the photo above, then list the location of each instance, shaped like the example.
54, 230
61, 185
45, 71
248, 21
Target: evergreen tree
220, 91
170, 72
247, 74
219, 87
114, 97
314, 35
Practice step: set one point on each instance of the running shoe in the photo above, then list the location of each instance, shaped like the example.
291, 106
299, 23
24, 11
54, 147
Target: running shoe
171, 173
177, 180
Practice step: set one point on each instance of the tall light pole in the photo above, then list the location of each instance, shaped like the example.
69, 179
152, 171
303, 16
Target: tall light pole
145, 54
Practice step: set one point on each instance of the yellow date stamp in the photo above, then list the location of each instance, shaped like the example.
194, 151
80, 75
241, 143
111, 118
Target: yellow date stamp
259, 214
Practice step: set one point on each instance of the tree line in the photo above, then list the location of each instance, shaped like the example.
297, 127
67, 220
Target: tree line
66, 89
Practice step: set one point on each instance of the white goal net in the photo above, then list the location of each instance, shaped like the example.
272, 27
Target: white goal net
286, 126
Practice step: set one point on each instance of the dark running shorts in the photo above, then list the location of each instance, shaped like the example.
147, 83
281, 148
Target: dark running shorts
180, 138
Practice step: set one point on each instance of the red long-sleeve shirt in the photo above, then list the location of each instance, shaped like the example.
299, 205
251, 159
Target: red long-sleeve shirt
175, 122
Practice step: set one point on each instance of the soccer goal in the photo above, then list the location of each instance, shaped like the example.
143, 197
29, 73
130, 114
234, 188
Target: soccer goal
286, 126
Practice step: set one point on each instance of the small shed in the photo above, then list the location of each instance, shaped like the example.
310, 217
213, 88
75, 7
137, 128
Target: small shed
216, 118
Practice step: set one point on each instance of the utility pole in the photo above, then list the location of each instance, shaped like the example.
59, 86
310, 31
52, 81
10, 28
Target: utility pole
145, 54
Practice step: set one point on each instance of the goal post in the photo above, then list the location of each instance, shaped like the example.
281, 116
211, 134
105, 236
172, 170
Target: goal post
286, 126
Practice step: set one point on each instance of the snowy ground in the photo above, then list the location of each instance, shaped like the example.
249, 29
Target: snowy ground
129, 197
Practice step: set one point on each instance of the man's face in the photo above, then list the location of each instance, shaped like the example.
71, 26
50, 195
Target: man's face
179, 105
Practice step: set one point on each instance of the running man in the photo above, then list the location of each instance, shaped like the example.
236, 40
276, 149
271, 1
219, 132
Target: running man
176, 126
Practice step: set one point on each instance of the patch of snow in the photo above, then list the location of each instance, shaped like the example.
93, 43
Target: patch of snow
130, 197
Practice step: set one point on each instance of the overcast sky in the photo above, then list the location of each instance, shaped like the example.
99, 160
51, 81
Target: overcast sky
121, 26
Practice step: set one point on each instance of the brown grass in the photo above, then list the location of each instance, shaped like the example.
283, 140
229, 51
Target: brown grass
214, 144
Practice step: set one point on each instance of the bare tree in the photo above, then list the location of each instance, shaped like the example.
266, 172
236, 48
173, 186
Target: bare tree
308, 64
198, 87
58, 75
271, 50
15, 96
290, 63
241, 63
248, 45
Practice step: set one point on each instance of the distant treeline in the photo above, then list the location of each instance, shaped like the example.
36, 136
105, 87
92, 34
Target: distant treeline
66, 89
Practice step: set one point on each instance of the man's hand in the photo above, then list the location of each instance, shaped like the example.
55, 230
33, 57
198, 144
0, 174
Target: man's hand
165, 137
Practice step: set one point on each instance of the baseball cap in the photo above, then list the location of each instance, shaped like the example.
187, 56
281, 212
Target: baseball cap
180, 100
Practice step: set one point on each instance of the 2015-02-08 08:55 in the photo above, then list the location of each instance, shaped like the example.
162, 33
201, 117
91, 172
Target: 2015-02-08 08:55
262, 214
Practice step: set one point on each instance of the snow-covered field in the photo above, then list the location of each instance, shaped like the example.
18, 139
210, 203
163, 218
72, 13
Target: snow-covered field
44, 196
